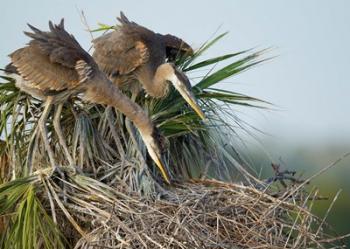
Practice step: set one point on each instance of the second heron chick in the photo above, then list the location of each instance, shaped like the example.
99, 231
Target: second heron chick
132, 53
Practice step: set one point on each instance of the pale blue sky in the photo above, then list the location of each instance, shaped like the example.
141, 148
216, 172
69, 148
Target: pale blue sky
309, 80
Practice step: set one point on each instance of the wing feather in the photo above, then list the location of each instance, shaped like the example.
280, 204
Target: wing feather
122, 50
49, 61
131, 45
37, 69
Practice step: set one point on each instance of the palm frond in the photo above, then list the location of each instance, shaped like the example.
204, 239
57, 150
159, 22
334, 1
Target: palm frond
27, 224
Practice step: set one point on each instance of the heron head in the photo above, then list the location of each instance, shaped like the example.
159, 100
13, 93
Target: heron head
156, 149
183, 86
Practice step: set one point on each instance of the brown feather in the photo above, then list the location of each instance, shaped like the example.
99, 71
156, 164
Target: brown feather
37, 69
134, 49
120, 52
49, 62
60, 46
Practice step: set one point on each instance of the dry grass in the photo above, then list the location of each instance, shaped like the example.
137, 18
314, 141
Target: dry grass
196, 214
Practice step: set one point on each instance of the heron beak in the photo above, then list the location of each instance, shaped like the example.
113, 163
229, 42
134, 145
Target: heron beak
191, 100
156, 155
160, 163
183, 86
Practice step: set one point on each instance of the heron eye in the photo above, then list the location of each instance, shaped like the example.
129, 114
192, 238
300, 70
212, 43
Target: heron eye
115, 74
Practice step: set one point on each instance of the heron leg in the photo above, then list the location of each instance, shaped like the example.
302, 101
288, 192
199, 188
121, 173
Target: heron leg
44, 132
32, 147
61, 139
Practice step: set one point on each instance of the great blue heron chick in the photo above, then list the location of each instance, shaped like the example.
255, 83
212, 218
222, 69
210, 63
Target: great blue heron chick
53, 67
132, 54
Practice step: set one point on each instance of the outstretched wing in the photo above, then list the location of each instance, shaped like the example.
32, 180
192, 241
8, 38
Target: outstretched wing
53, 60
123, 50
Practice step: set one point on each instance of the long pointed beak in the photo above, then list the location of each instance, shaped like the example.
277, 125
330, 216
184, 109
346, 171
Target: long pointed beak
163, 169
183, 86
157, 157
191, 100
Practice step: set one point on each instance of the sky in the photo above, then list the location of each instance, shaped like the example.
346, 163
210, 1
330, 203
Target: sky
307, 81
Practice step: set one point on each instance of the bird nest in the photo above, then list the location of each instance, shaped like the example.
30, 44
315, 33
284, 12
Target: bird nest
195, 214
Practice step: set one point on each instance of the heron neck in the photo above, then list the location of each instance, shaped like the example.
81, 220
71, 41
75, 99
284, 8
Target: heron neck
107, 94
154, 83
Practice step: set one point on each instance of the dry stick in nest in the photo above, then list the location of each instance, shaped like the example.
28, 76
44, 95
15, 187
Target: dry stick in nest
281, 176
218, 184
299, 187
183, 211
